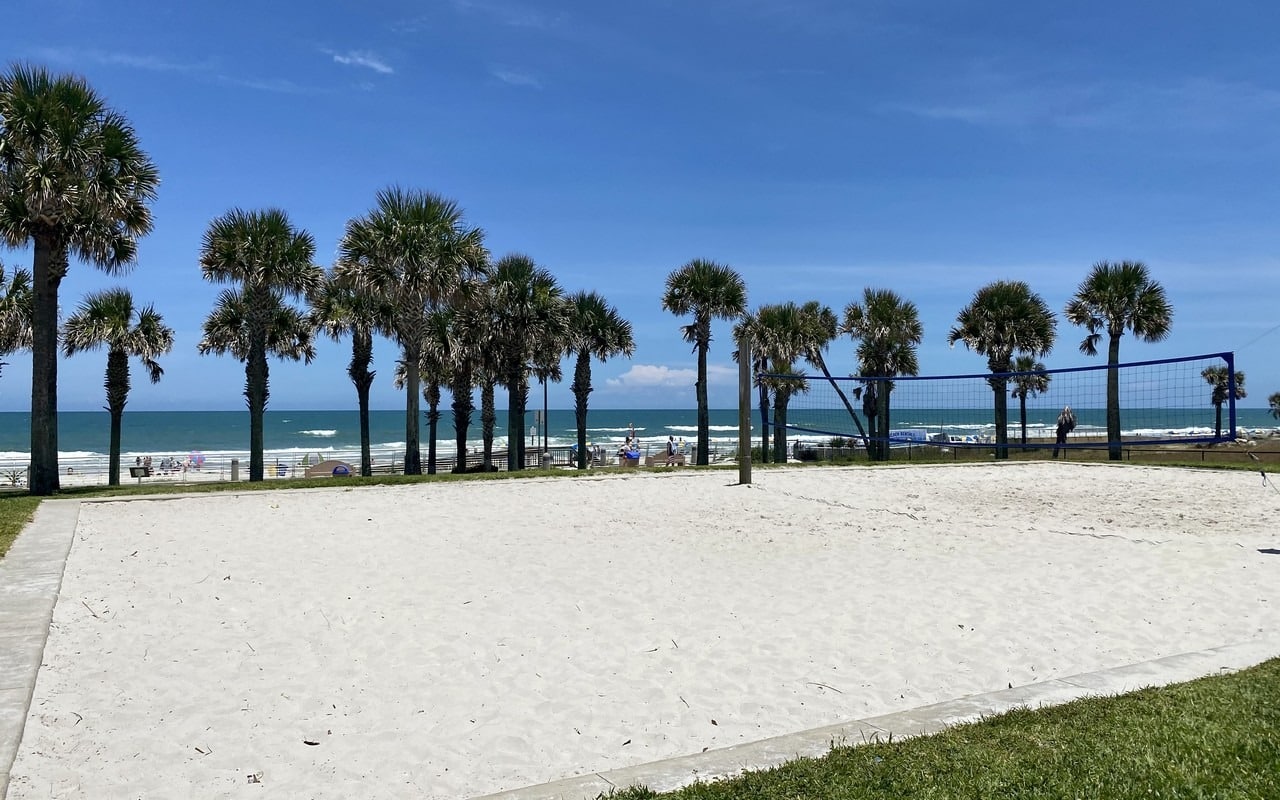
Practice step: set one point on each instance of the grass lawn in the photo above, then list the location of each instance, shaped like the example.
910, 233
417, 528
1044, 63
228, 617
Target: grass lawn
15, 512
1217, 737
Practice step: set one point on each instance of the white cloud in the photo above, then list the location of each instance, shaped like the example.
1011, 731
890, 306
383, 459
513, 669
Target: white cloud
362, 58
658, 376
514, 78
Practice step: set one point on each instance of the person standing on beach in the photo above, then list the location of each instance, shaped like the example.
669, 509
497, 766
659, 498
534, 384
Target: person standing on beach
671, 451
1066, 424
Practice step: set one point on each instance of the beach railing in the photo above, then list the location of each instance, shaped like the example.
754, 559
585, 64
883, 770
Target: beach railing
93, 470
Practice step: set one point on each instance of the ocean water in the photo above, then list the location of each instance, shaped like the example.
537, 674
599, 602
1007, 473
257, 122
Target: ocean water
291, 435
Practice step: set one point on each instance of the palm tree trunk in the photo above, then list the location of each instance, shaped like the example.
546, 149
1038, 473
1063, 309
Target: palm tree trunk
460, 388
1022, 414
1217, 424
781, 401
117, 384
433, 423
48, 267
362, 377
1113, 398
581, 390
517, 401
366, 453
1000, 386
704, 413
488, 421
255, 393
822, 365
873, 442
883, 399
764, 423
413, 383
113, 462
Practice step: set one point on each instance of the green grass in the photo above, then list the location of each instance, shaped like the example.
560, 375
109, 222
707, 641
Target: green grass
1216, 737
16, 511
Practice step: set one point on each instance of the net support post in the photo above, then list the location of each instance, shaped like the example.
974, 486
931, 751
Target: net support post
744, 411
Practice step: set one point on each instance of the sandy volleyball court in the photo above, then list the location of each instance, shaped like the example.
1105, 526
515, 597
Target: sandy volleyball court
456, 639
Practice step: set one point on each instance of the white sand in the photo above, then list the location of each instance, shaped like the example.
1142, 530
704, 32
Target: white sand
455, 639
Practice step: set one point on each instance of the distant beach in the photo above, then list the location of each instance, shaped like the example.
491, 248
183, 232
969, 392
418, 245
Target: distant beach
296, 438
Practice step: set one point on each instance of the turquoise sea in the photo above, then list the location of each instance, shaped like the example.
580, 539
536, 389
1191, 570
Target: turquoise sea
289, 435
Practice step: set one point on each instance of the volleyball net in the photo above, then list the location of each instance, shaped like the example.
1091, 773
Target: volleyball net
1191, 399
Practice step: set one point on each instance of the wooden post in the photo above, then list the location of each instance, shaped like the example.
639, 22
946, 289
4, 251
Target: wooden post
744, 411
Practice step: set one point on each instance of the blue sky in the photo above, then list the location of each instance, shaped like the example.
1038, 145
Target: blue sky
817, 147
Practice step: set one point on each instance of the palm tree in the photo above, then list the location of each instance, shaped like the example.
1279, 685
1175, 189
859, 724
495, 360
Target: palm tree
1112, 299
1223, 389
15, 311
708, 291
479, 352
467, 337
888, 331
434, 371
598, 331
110, 319
73, 180
1030, 380
1274, 402
413, 251
532, 323
271, 260
436, 368
485, 356
488, 376
785, 382
1004, 317
339, 308
781, 332
820, 330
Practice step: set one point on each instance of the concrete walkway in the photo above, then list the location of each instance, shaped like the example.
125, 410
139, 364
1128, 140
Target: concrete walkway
31, 577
